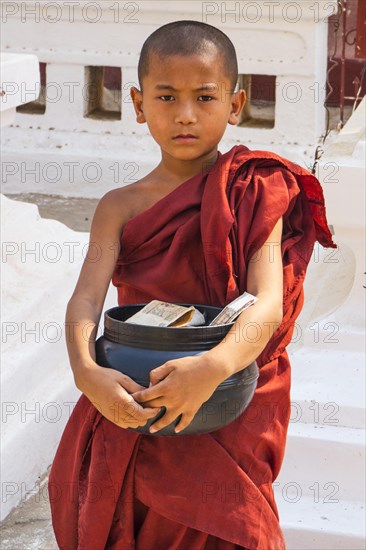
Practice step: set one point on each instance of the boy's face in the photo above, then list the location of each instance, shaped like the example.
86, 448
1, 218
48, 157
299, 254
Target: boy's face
187, 95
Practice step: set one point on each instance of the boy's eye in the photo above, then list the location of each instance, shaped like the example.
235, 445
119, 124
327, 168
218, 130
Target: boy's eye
206, 97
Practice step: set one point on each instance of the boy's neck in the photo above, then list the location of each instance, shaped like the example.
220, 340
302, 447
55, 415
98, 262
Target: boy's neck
175, 171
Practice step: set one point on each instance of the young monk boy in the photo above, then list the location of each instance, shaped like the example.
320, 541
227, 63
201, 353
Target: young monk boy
201, 227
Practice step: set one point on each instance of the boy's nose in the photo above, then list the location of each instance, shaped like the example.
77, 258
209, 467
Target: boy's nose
186, 115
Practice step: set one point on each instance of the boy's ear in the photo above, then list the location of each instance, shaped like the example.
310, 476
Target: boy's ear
238, 100
136, 96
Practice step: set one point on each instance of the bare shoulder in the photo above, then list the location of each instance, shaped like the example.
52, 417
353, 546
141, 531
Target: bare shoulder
113, 211
119, 205
116, 207
116, 201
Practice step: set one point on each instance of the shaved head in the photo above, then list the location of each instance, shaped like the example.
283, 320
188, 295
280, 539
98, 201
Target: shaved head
187, 38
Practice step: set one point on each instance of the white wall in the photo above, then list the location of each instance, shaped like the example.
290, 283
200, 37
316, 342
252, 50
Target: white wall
41, 262
287, 40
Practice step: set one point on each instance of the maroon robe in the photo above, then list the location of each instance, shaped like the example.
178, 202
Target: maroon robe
116, 489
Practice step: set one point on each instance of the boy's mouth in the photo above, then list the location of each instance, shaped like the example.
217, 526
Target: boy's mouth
185, 137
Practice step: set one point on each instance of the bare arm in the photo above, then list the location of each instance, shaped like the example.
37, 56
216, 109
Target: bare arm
108, 389
254, 327
86, 303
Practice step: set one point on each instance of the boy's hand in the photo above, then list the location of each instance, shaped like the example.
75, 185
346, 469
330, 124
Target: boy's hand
180, 385
109, 391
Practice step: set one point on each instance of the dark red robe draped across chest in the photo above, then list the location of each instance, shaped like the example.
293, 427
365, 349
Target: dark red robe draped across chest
116, 489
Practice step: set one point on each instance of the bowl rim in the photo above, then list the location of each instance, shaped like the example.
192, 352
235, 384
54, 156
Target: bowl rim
198, 338
180, 329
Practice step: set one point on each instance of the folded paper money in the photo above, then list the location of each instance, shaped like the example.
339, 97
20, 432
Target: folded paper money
234, 309
166, 314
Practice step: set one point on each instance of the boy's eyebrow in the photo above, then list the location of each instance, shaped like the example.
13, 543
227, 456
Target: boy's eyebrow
205, 87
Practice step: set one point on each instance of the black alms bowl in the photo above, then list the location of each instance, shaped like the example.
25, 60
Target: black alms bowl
137, 349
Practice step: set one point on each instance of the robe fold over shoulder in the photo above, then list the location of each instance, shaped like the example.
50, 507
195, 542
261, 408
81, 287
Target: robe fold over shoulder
116, 489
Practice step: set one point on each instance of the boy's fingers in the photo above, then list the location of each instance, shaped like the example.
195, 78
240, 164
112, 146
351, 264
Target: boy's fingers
129, 384
148, 394
158, 374
138, 421
158, 402
134, 410
184, 422
147, 413
167, 419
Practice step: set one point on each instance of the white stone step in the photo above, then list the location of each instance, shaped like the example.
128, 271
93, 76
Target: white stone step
321, 525
329, 334
328, 386
323, 461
